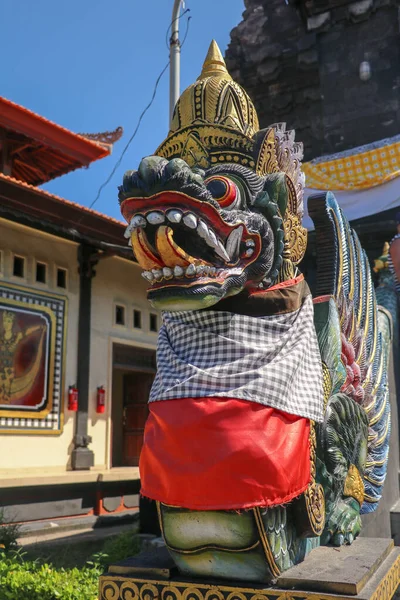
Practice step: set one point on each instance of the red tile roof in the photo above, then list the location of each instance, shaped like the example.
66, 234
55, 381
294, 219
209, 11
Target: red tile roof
41, 150
80, 207
29, 200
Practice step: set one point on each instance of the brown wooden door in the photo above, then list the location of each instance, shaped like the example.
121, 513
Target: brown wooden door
136, 394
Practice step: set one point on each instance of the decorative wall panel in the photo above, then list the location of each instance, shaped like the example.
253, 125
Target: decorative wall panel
32, 356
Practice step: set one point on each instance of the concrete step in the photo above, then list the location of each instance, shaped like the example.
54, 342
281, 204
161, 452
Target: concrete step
70, 524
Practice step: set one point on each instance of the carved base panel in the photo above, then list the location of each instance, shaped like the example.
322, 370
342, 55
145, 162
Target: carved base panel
380, 585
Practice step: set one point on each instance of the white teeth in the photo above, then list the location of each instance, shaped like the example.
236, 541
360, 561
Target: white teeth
211, 239
191, 270
213, 271
136, 221
148, 275
233, 243
250, 252
157, 274
155, 218
250, 243
130, 242
178, 271
175, 216
190, 221
167, 272
202, 230
220, 250
202, 270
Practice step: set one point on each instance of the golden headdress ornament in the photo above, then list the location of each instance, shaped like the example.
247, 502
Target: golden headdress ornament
215, 122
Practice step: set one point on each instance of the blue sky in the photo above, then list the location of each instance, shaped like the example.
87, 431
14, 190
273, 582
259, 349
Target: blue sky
91, 65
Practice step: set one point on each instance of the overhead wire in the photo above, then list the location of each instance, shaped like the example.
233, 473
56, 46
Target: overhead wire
118, 163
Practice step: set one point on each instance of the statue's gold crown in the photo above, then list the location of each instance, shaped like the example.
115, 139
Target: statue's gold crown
214, 119
216, 99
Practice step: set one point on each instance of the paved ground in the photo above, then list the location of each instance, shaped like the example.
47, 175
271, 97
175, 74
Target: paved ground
84, 535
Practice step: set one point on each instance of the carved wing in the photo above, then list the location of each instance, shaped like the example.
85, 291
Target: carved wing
354, 334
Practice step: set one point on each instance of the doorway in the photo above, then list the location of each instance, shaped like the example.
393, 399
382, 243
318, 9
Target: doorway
136, 388
133, 373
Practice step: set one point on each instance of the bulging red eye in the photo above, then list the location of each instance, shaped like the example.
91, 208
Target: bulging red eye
223, 190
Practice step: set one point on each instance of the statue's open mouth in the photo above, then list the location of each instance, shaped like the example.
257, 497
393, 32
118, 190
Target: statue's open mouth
180, 241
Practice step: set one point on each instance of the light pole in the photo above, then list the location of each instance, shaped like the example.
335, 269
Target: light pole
175, 59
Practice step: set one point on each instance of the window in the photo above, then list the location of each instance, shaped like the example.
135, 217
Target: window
137, 319
119, 315
153, 322
41, 272
19, 266
61, 278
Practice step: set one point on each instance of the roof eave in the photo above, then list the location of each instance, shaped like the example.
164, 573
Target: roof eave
17, 118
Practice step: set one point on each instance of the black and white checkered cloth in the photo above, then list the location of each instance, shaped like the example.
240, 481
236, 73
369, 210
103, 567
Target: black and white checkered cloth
272, 360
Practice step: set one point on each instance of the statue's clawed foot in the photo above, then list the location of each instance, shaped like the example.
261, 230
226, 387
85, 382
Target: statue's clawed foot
344, 524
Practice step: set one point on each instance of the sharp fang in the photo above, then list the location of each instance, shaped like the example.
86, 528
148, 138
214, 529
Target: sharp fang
167, 272
202, 230
130, 242
175, 216
136, 221
220, 250
211, 239
190, 221
250, 252
148, 275
233, 243
250, 243
155, 218
191, 270
178, 271
157, 274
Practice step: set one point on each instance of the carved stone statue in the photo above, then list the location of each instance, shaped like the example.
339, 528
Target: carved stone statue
269, 416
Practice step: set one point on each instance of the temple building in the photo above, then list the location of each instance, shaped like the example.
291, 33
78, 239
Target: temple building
77, 335
330, 70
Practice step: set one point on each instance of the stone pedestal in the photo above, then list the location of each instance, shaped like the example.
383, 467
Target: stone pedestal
367, 570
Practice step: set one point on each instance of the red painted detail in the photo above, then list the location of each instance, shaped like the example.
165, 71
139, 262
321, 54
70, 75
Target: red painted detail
100, 509
231, 191
101, 400
321, 299
161, 201
73, 398
279, 286
223, 453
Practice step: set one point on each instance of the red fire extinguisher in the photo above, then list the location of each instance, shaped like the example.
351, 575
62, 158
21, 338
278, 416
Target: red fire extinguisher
73, 398
101, 400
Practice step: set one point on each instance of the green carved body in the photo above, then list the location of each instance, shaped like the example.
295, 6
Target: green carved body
217, 213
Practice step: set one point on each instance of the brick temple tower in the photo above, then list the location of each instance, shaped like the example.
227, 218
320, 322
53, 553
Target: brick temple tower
329, 68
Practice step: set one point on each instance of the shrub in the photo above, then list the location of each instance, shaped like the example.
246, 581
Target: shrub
9, 533
21, 578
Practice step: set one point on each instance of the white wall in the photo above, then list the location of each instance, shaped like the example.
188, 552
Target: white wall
30, 451
117, 281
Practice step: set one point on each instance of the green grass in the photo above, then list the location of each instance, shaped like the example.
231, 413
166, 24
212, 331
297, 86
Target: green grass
62, 571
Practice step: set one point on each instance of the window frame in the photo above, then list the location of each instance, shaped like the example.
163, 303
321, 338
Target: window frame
25, 261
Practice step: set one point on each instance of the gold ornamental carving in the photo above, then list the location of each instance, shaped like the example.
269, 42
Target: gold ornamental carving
114, 587
354, 485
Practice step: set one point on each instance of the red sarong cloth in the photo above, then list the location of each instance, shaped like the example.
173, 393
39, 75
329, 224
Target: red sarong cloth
222, 453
